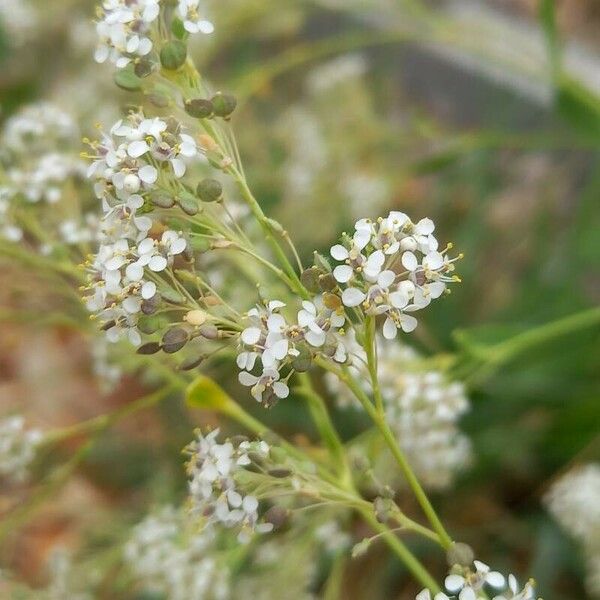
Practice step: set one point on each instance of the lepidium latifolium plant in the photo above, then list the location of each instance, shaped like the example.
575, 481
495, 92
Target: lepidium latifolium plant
181, 267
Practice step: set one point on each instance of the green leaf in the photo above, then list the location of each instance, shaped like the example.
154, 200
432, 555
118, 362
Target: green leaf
205, 393
579, 106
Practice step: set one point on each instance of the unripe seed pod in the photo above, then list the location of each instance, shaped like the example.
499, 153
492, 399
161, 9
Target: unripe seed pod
108, 325
223, 104
127, 80
191, 363
143, 68
188, 204
172, 296
174, 340
200, 244
149, 348
327, 282
310, 279
460, 554
162, 200
173, 55
199, 108
158, 100
209, 190
279, 473
277, 516
208, 331
151, 305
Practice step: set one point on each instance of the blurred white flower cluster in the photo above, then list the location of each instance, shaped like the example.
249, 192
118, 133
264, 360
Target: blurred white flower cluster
277, 344
422, 408
38, 162
213, 491
18, 447
167, 556
574, 501
392, 267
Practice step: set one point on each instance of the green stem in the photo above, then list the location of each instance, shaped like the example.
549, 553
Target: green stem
371, 351
379, 421
322, 420
406, 556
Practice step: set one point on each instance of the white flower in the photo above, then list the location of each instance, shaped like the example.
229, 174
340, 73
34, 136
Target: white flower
193, 21
266, 386
468, 585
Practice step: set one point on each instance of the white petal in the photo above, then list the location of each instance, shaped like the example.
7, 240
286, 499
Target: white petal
247, 379
495, 579
148, 290
178, 167
389, 329
398, 299
467, 594
433, 261
251, 335
425, 227
148, 174
343, 273
386, 278
281, 390
157, 263
408, 323
137, 148
339, 252
134, 271
409, 261
454, 583
352, 297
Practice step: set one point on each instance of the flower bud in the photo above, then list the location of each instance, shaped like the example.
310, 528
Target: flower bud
224, 104
195, 317
174, 340
460, 554
173, 55
209, 190
199, 108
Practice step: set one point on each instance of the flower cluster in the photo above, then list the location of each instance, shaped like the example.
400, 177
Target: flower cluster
126, 28
466, 583
126, 167
574, 501
392, 267
18, 447
212, 486
167, 557
122, 281
278, 344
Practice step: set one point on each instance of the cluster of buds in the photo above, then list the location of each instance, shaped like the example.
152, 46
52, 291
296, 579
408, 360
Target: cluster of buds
279, 345
392, 267
214, 493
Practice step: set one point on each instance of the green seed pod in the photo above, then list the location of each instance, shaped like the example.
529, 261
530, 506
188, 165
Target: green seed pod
224, 104
173, 55
127, 80
172, 296
310, 279
279, 473
191, 363
460, 554
174, 340
209, 190
143, 68
302, 362
188, 204
149, 348
162, 199
199, 108
200, 244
